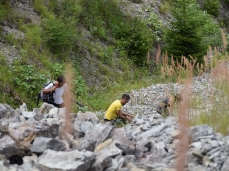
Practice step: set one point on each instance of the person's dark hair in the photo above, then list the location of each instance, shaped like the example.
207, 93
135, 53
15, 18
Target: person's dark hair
61, 79
125, 96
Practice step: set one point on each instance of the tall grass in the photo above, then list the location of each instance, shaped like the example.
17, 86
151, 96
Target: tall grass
103, 97
212, 110
216, 112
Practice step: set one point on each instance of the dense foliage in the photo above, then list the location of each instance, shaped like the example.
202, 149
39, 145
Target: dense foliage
103, 17
212, 7
191, 32
58, 35
4, 9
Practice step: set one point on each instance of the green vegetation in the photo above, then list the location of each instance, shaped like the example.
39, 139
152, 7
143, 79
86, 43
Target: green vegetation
215, 112
4, 9
104, 17
155, 25
191, 33
135, 38
58, 36
115, 46
212, 7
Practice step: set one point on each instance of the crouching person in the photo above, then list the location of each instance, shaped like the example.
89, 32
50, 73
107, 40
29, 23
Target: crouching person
165, 106
114, 111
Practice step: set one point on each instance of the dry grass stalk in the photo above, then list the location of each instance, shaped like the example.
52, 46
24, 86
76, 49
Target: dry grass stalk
164, 59
172, 62
211, 57
158, 54
163, 71
225, 43
184, 137
186, 93
68, 102
220, 72
205, 63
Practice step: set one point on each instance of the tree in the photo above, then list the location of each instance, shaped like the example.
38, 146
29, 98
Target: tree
184, 35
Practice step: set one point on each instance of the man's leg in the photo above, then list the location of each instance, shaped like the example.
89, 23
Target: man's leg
111, 121
61, 105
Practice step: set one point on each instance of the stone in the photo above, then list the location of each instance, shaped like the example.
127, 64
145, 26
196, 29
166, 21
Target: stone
225, 165
66, 160
206, 161
6, 142
28, 115
23, 107
176, 133
53, 111
40, 144
197, 153
3, 111
102, 161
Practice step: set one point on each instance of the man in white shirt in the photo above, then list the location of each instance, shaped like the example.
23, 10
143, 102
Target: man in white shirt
58, 87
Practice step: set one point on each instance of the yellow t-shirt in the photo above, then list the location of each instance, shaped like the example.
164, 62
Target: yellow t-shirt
111, 112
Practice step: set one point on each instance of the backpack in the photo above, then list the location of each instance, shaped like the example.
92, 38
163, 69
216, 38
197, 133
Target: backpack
46, 97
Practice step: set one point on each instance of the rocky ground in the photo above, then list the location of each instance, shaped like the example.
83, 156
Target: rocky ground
39, 140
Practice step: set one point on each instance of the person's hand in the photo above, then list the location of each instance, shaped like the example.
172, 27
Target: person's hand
129, 118
57, 85
53, 88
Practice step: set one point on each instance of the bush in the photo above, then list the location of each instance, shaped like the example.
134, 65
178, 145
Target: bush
26, 79
66, 9
103, 17
212, 7
135, 38
192, 32
4, 9
58, 35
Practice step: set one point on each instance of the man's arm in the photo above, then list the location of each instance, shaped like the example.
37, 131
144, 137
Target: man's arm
123, 115
51, 87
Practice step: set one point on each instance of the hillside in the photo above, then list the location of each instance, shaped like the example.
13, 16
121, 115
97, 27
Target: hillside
114, 47
103, 41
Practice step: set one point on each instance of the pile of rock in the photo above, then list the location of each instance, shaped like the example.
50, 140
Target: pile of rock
38, 141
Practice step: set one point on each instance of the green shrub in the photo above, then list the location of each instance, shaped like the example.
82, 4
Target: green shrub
103, 17
56, 70
26, 81
26, 78
4, 70
155, 25
212, 7
96, 14
33, 36
192, 32
164, 8
58, 35
135, 38
40, 7
66, 9
4, 9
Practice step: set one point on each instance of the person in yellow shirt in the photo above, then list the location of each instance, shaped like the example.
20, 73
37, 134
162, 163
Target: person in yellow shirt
114, 111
